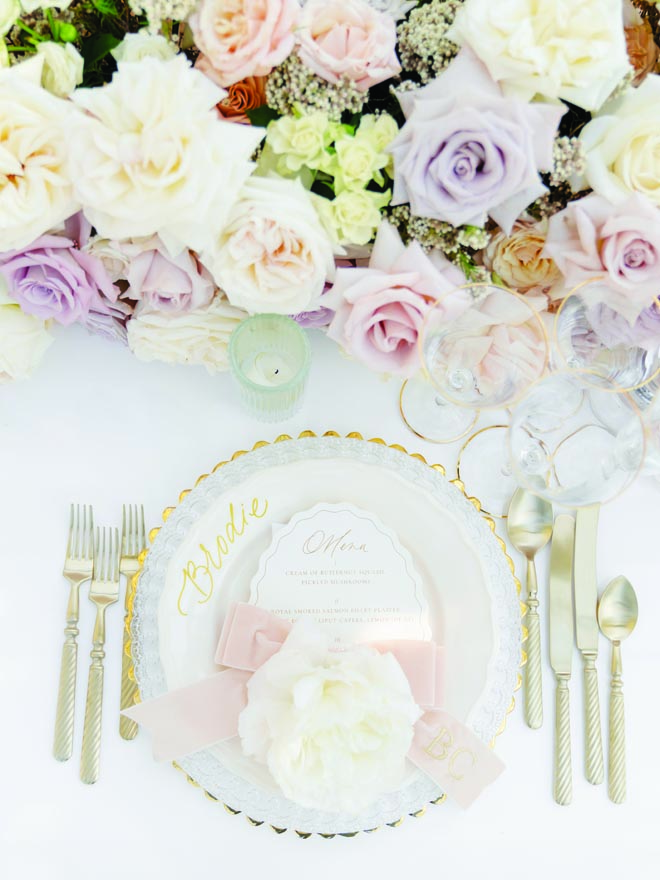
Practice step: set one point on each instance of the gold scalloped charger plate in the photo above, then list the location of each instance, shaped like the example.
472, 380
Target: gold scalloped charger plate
472, 594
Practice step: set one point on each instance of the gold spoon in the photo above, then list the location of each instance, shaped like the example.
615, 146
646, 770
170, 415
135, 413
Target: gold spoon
529, 524
617, 616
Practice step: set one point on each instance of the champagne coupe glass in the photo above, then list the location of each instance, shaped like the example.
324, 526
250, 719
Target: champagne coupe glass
617, 349
480, 346
573, 442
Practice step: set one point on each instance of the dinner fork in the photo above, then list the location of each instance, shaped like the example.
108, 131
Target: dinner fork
78, 568
133, 542
103, 592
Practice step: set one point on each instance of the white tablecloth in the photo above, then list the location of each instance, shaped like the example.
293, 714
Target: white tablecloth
97, 426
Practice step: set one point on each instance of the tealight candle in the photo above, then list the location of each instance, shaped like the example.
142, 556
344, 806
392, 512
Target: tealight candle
269, 357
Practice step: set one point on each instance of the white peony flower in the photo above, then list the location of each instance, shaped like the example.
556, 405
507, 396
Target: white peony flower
9, 12
273, 255
35, 188
23, 339
144, 44
63, 67
623, 145
200, 336
152, 156
333, 728
554, 48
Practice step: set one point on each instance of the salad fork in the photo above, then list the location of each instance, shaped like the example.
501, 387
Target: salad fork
78, 568
133, 542
104, 592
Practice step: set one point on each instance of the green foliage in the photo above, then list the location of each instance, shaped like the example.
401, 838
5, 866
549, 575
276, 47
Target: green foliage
262, 115
106, 7
95, 48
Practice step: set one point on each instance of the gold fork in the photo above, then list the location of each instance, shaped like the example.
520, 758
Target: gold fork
78, 568
133, 542
104, 591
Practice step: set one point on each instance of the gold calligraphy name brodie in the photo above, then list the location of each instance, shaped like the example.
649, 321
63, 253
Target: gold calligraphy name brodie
200, 576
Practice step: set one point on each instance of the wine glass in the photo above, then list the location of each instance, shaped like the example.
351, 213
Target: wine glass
618, 350
573, 442
480, 346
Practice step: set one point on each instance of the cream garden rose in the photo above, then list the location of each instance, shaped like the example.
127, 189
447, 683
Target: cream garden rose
36, 192
622, 146
23, 339
333, 728
150, 155
519, 260
144, 44
273, 255
9, 12
197, 337
553, 48
63, 67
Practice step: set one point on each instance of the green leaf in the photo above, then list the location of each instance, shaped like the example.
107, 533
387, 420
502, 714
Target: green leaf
98, 46
262, 115
106, 7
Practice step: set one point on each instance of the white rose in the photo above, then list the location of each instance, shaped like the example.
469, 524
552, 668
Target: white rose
9, 12
143, 44
555, 48
63, 67
23, 340
623, 145
151, 156
334, 729
35, 187
200, 336
273, 255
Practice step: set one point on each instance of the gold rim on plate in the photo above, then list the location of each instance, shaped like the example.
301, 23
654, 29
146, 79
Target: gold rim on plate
353, 435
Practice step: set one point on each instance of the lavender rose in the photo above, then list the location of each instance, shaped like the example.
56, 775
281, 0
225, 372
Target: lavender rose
53, 279
617, 244
611, 329
165, 281
466, 152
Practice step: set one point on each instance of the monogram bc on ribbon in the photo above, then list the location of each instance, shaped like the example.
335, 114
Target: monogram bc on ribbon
195, 717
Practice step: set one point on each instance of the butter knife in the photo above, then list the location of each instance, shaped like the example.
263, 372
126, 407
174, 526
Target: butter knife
586, 626
561, 649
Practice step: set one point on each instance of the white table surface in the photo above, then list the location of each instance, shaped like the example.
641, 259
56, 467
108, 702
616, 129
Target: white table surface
97, 426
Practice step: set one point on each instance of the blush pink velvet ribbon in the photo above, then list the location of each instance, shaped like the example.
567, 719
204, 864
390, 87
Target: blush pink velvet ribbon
195, 717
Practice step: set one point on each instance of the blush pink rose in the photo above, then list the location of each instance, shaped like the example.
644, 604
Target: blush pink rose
243, 38
348, 38
379, 311
617, 244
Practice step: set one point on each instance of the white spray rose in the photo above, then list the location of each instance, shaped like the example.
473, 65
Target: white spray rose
23, 340
9, 12
334, 729
143, 44
151, 156
35, 187
623, 145
554, 48
200, 336
63, 68
273, 255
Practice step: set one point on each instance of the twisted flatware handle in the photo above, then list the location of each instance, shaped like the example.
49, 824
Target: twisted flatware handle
90, 759
533, 677
563, 768
593, 742
617, 754
127, 729
66, 696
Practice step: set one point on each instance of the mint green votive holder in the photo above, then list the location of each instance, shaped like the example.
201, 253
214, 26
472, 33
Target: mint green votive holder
269, 357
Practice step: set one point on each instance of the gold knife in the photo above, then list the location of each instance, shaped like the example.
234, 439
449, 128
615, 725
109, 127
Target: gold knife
586, 628
561, 649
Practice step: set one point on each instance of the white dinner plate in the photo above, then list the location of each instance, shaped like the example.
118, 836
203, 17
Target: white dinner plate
468, 584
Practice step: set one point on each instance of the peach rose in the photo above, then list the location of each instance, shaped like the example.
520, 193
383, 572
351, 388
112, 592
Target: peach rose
248, 94
519, 260
242, 38
348, 38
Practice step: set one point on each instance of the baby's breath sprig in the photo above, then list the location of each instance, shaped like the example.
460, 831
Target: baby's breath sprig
568, 160
293, 88
423, 47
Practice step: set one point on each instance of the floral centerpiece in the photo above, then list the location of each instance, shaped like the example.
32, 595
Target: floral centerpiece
169, 166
